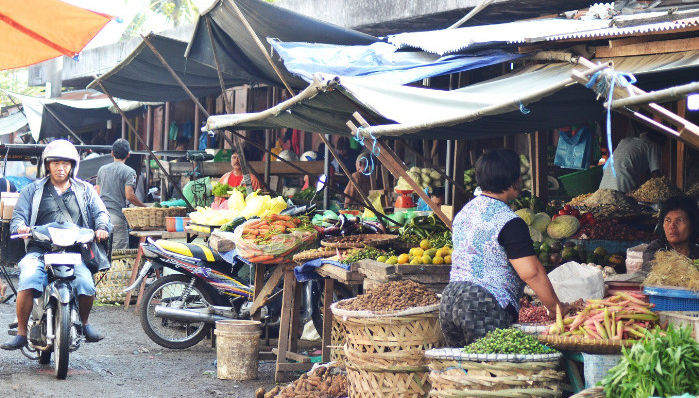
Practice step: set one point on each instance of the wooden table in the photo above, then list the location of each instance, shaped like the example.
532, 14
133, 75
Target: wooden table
142, 236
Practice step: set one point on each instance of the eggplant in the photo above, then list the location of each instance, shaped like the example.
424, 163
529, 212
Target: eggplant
332, 231
341, 221
369, 228
381, 229
350, 229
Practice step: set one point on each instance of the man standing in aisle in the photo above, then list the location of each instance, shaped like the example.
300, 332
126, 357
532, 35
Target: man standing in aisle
116, 183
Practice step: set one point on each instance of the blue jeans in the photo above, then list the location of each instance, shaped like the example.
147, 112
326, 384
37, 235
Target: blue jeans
32, 275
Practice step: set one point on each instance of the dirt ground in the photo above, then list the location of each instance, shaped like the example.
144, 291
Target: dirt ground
125, 364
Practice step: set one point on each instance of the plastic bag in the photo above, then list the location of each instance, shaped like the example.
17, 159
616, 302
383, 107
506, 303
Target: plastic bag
237, 201
572, 281
198, 192
276, 246
375, 200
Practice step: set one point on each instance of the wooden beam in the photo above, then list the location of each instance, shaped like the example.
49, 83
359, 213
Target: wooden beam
276, 168
681, 179
654, 47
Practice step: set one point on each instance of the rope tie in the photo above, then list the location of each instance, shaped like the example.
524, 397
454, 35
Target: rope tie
523, 109
603, 83
375, 151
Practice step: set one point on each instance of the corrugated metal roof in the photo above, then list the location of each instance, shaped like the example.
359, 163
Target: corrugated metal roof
453, 40
626, 31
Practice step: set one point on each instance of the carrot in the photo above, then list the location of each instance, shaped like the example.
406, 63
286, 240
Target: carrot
253, 224
261, 258
290, 224
276, 260
250, 232
280, 217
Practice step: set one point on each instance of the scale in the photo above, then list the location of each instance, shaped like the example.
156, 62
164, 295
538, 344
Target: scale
405, 200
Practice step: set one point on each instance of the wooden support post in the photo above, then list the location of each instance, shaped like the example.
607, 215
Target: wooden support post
197, 128
539, 164
328, 289
681, 179
460, 151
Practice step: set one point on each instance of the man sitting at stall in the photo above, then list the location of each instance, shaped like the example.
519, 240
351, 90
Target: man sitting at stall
234, 178
634, 159
679, 217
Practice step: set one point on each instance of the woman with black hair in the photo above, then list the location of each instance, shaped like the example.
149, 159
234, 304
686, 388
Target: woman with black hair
493, 257
679, 217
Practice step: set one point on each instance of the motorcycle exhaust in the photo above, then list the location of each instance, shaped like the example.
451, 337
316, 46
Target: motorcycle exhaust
187, 315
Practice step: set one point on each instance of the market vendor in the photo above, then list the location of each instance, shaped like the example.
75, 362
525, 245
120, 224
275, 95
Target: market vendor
493, 257
679, 216
634, 159
234, 178
363, 181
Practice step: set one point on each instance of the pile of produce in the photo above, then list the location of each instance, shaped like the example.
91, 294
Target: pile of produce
608, 197
670, 268
425, 177
664, 364
555, 253
274, 238
531, 202
580, 199
619, 317
392, 296
542, 226
221, 190
422, 227
470, 180
507, 341
345, 226
655, 190
323, 382
424, 254
693, 191
621, 212
208, 216
371, 253
611, 230
530, 313
305, 194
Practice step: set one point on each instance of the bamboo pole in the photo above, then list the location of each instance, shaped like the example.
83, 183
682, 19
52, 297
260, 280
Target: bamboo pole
148, 148
665, 95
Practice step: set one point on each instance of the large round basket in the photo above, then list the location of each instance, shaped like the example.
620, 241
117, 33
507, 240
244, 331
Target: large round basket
153, 218
594, 392
385, 352
589, 346
454, 375
110, 284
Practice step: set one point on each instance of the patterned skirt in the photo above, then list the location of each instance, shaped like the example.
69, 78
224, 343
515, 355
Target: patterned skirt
467, 312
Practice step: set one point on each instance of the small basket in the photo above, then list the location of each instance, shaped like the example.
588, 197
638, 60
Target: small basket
589, 346
308, 255
682, 318
141, 218
359, 240
672, 299
594, 392
453, 375
110, 284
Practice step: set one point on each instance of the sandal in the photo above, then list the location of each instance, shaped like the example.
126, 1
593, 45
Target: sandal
7, 298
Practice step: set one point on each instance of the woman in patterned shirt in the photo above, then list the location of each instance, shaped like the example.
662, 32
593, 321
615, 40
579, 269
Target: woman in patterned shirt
493, 257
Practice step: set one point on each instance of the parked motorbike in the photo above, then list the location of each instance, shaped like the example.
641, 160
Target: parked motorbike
54, 323
178, 310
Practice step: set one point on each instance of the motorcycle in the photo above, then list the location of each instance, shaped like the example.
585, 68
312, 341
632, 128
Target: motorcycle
179, 310
54, 325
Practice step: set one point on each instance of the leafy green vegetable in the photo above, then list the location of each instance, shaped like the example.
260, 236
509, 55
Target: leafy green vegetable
305, 194
221, 190
507, 341
366, 253
663, 364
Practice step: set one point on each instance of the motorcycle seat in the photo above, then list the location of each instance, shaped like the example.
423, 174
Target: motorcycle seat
202, 252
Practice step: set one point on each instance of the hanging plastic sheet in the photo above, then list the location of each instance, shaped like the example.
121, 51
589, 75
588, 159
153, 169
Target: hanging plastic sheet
574, 147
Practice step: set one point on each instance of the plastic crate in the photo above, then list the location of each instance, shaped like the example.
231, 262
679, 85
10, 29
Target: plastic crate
682, 318
581, 182
666, 299
596, 367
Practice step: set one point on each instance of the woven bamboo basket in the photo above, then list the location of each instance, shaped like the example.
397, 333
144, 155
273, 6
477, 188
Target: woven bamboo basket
385, 352
112, 282
589, 346
456, 378
337, 343
594, 392
141, 218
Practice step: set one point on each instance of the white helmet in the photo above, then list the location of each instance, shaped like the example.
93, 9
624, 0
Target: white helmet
288, 155
309, 156
61, 150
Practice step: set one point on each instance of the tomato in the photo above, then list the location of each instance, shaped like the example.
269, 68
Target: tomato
555, 216
592, 221
564, 212
567, 207
575, 213
589, 216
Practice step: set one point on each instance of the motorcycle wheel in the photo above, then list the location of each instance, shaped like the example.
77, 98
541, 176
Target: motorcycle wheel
340, 292
167, 291
61, 344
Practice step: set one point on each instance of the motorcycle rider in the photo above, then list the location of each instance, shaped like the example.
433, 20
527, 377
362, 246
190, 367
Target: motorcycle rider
37, 206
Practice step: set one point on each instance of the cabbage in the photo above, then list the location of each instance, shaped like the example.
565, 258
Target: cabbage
563, 227
535, 235
526, 214
541, 222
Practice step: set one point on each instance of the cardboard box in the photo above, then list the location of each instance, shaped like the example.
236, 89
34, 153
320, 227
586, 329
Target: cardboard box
7, 208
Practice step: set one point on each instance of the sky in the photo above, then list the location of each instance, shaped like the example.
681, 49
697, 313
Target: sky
124, 10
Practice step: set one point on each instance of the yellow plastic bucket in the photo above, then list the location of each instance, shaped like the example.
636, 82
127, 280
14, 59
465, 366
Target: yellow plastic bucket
237, 349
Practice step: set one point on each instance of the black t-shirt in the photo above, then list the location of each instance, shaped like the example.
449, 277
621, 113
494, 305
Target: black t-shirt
514, 237
49, 211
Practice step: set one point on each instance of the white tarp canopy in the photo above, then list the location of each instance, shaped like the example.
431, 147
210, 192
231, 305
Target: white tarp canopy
10, 124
